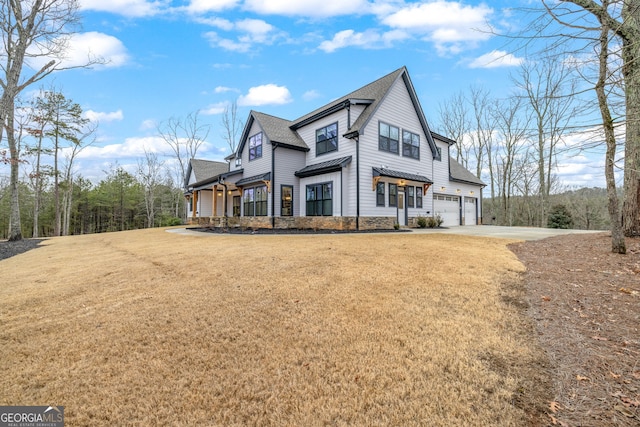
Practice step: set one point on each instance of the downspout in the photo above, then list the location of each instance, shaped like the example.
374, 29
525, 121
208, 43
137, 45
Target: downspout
273, 185
358, 182
341, 192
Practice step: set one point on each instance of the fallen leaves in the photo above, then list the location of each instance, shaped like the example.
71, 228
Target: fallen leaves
581, 378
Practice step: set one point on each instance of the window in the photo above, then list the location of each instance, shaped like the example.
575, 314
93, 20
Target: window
419, 197
286, 207
410, 144
320, 199
238, 162
388, 138
327, 139
255, 146
411, 196
255, 201
439, 153
380, 193
393, 195
236, 205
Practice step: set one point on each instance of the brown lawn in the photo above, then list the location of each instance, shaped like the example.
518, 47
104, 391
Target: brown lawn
152, 328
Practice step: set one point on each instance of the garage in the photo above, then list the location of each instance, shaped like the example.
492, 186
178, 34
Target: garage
448, 207
470, 211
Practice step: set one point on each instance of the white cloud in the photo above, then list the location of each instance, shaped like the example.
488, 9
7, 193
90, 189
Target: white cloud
310, 95
223, 24
96, 116
148, 124
252, 32
369, 39
202, 6
224, 89
308, 8
269, 94
215, 109
451, 26
495, 59
131, 8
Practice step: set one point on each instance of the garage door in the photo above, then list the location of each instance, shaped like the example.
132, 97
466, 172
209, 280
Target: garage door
470, 211
448, 207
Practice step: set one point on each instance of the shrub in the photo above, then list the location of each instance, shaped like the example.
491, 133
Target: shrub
560, 217
422, 222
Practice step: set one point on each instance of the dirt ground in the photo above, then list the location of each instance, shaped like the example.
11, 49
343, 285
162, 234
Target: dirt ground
585, 303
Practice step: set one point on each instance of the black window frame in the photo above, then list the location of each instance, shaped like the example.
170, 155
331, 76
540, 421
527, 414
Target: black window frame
283, 201
393, 195
253, 206
411, 196
439, 151
326, 142
325, 204
255, 152
418, 197
380, 196
384, 141
410, 149
237, 203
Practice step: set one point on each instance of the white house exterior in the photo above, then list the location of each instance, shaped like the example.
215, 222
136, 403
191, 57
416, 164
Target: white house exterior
367, 160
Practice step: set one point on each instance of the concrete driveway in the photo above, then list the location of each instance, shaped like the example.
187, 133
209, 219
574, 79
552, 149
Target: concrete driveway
516, 233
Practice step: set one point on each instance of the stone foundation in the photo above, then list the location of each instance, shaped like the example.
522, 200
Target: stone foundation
298, 222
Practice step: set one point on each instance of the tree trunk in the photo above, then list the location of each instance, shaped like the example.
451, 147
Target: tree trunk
617, 235
631, 73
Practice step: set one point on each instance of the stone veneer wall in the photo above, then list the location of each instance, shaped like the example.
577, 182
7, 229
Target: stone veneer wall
297, 222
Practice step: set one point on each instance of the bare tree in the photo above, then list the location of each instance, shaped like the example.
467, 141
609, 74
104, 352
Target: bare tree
455, 124
30, 29
184, 136
231, 126
549, 90
150, 174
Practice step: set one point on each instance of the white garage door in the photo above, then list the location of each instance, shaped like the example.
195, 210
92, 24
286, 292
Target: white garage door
470, 211
448, 207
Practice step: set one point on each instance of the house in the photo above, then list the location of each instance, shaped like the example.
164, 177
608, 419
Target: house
367, 160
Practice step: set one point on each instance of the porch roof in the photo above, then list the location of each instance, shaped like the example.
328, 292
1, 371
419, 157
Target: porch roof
254, 179
324, 167
401, 175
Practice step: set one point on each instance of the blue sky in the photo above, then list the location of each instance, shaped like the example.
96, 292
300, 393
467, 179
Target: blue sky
282, 57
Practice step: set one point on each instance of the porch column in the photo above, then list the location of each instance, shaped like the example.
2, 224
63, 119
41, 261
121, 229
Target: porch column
194, 206
214, 212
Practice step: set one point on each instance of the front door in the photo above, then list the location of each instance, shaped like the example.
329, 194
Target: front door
402, 218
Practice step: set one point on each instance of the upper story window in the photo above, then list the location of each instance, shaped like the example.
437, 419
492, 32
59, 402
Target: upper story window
255, 146
238, 162
439, 153
388, 138
410, 144
327, 139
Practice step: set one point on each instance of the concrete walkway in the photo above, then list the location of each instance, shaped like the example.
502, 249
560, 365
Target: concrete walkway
517, 233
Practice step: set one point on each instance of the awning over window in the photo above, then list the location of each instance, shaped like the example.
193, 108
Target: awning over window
377, 172
254, 179
325, 167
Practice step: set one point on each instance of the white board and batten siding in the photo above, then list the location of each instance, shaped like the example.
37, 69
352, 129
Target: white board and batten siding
287, 162
396, 110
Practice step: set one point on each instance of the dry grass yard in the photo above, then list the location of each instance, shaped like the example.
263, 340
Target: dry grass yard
153, 328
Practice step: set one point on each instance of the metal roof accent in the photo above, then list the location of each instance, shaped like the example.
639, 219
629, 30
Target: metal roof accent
324, 167
401, 175
254, 179
459, 173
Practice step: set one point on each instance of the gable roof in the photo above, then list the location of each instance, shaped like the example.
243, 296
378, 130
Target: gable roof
459, 173
204, 170
277, 130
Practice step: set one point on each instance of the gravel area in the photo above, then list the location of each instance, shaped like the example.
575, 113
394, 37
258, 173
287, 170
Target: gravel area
9, 249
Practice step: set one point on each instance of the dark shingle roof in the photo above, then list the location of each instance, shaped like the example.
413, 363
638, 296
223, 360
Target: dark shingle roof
324, 167
401, 175
459, 173
204, 170
279, 130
